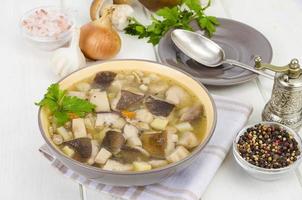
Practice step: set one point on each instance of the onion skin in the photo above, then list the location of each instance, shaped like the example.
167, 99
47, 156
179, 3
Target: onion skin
99, 40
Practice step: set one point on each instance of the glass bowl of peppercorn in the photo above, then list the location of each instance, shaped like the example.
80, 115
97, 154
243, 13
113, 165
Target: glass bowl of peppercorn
267, 150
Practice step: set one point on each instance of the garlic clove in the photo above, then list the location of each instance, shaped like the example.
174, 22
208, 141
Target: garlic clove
67, 60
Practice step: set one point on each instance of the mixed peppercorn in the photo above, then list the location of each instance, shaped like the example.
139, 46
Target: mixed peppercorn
268, 146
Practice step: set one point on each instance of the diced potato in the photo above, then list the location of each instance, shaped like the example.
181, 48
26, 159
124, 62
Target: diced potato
188, 140
78, 128
134, 141
117, 166
83, 87
143, 87
81, 95
159, 123
68, 151
102, 156
177, 95
94, 152
171, 142
130, 131
143, 115
179, 154
184, 126
64, 133
100, 99
141, 166
89, 124
158, 163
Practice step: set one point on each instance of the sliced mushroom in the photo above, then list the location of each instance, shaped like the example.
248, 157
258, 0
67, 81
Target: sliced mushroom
142, 126
113, 141
111, 119
176, 95
101, 101
171, 143
158, 87
192, 113
130, 154
94, 152
104, 79
158, 163
155, 144
178, 154
81, 145
130, 131
188, 140
141, 166
143, 115
78, 128
127, 99
113, 165
158, 107
134, 141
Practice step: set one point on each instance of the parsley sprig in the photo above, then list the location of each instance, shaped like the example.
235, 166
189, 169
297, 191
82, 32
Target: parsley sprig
176, 17
64, 107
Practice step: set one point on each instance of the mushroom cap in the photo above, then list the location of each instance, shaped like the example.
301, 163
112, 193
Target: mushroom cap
159, 107
97, 6
82, 146
127, 99
155, 144
113, 141
104, 79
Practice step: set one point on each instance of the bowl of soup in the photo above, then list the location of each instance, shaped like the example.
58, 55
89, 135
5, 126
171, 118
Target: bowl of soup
149, 122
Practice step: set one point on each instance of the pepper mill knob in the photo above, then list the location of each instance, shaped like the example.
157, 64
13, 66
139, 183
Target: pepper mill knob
293, 69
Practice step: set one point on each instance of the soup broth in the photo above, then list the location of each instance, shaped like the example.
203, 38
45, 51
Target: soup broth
141, 121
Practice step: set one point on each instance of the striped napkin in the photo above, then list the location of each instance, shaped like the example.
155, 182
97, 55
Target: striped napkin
191, 182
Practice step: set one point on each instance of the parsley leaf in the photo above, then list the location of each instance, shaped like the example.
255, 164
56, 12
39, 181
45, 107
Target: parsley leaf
64, 107
176, 17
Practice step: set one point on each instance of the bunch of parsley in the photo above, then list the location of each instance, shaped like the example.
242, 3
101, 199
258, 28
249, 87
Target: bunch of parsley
176, 17
64, 107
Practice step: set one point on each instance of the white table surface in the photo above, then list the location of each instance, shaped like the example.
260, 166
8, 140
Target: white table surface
25, 74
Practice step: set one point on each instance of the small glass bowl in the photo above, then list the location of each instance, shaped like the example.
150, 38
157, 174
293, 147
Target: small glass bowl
48, 43
263, 173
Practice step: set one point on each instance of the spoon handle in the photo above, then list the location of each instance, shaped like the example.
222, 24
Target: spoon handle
247, 67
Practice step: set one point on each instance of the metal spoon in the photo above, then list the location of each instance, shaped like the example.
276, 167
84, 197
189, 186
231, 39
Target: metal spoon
206, 51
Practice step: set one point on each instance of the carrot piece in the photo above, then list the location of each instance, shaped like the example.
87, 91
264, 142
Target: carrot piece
128, 114
72, 116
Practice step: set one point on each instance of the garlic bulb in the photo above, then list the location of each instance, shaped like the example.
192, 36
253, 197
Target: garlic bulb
67, 60
120, 15
98, 38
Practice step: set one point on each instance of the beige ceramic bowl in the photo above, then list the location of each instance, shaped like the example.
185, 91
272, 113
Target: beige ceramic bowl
133, 178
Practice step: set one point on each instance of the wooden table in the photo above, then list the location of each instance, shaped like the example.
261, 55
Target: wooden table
25, 174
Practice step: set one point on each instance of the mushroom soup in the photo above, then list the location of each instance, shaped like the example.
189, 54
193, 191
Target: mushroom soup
141, 121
